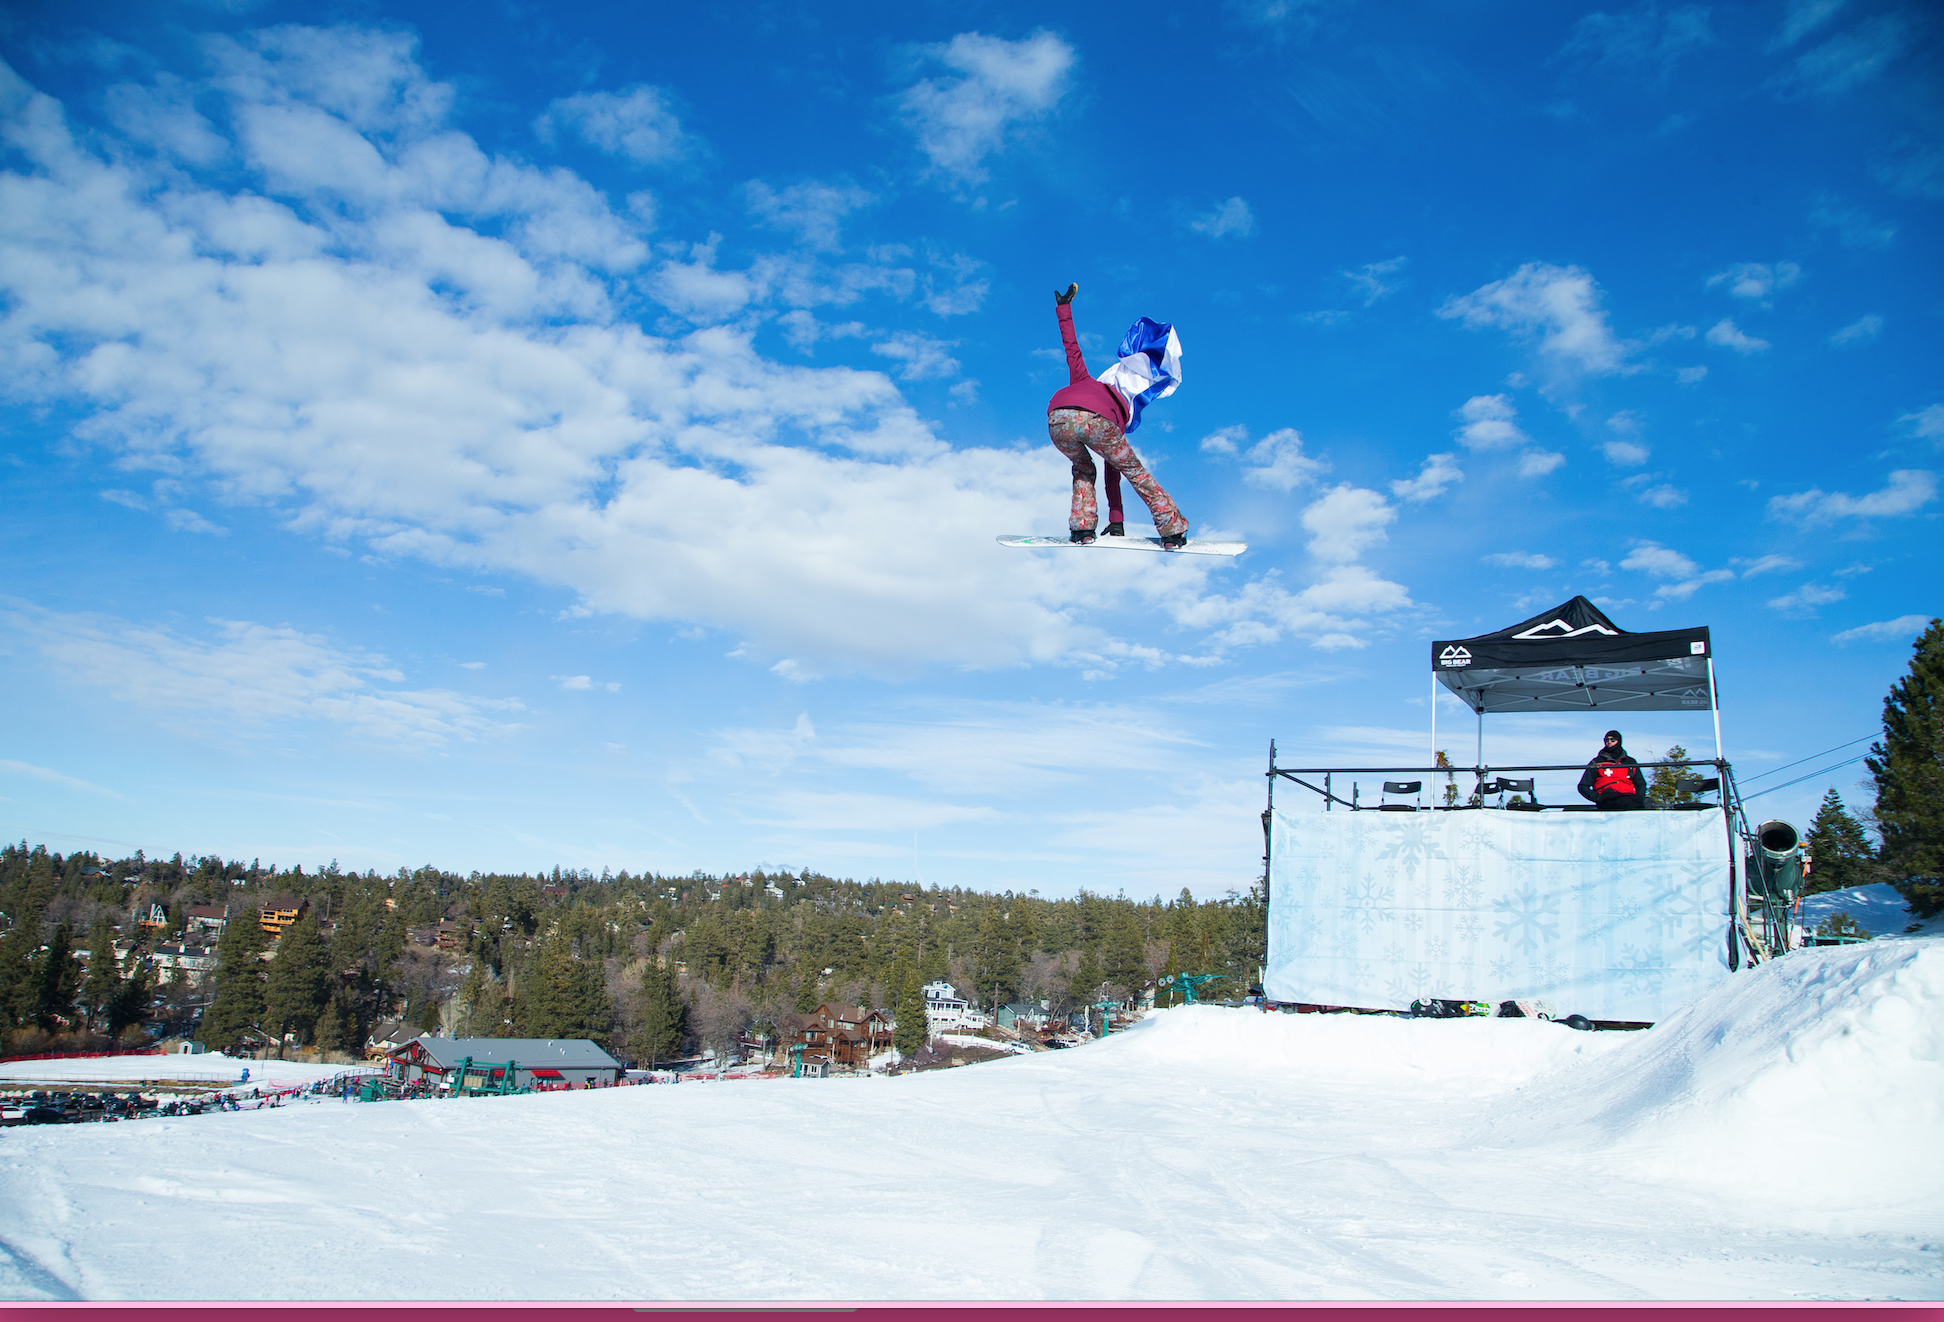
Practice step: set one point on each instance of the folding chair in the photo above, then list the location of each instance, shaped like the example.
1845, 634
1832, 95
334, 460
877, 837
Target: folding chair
1399, 787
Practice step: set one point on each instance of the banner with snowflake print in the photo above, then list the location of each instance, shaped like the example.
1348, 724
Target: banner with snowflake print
1616, 916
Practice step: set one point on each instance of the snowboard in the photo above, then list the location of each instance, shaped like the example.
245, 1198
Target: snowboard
1191, 547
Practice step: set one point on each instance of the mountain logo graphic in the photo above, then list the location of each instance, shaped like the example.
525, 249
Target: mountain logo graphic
1560, 629
1454, 656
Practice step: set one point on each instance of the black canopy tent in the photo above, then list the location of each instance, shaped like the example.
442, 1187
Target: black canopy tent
1573, 658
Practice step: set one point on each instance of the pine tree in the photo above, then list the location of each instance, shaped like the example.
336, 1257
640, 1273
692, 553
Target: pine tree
1171, 993
1840, 853
1908, 767
337, 1025
299, 983
995, 959
662, 1025
565, 994
56, 978
1664, 784
129, 1004
236, 1002
1083, 984
911, 1032
104, 972
1125, 954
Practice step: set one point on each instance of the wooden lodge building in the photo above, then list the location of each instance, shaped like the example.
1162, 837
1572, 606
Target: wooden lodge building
537, 1062
842, 1037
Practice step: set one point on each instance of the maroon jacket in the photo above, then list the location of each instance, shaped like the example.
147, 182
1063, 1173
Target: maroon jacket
1083, 392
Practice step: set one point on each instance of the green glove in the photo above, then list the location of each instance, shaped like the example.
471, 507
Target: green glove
1066, 298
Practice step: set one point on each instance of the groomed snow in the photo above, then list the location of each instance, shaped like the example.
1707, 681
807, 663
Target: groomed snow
1777, 1140
212, 1068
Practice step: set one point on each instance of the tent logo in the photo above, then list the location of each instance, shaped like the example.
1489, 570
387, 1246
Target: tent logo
1454, 656
1560, 629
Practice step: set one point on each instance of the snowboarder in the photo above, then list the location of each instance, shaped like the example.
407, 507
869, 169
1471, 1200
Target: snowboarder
1613, 780
1088, 414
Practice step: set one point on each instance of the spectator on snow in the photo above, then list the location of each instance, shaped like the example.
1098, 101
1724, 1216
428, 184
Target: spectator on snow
1613, 780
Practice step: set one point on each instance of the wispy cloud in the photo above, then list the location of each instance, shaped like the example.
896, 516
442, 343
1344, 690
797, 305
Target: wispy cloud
1277, 462
1908, 491
241, 678
1645, 38
636, 124
1861, 331
1558, 307
1519, 560
1230, 219
1805, 600
1439, 472
1377, 280
1900, 630
995, 86
1728, 336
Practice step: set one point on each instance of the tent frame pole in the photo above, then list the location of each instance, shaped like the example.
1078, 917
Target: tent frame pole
1714, 709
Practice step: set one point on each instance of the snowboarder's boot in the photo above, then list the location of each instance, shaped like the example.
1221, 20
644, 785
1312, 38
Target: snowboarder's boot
1115, 529
1082, 535
1174, 541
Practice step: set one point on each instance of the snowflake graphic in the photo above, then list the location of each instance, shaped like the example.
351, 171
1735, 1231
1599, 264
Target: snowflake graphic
1474, 837
1641, 970
1528, 918
1409, 985
1414, 922
1470, 927
1344, 942
1411, 846
1501, 969
1394, 953
1678, 910
1368, 902
1435, 948
1549, 970
1463, 887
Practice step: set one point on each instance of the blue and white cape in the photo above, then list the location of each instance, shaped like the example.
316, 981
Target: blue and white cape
1149, 368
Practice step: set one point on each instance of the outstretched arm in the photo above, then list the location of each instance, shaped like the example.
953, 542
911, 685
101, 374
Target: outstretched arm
1076, 364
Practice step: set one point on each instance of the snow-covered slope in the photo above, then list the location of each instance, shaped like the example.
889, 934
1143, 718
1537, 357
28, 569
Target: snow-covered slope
1206, 1154
212, 1068
1878, 909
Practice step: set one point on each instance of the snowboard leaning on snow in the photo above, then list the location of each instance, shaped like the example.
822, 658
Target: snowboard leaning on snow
1191, 547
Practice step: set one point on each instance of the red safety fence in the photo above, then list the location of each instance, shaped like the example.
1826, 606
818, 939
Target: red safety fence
84, 1055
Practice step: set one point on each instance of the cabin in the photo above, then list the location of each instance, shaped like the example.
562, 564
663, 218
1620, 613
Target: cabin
276, 914
537, 1062
845, 1037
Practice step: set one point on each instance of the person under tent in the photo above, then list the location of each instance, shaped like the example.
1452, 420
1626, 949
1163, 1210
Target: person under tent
1612, 781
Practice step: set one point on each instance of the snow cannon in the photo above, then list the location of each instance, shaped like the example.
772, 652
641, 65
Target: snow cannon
1775, 862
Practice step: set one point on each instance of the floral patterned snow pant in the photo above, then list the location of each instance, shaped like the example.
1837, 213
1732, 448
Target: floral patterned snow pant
1076, 431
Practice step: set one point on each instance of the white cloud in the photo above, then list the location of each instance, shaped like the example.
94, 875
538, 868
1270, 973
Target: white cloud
1489, 423
1804, 17
1854, 228
1756, 280
190, 521
249, 677
812, 210
1688, 376
921, 357
1860, 331
1908, 491
472, 665
1663, 496
1643, 37
1660, 561
53, 777
960, 121
128, 499
574, 683
1346, 522
1766, 564
1625, 454
1232, 217
1688, 587
1374, 281
1557, 306
1275, 463
1805, 599
1849, 58
1927, 422
1900, 630
1538, 463
392, 342
1725, 334
1439, 472
635, 123
1519, 560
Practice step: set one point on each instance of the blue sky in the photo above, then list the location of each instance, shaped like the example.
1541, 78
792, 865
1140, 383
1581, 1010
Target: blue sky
508, 436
